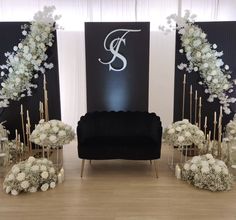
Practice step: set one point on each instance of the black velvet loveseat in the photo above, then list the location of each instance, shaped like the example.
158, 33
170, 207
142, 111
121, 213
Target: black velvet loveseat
119, 135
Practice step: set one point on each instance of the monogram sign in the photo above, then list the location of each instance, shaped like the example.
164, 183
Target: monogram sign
114, 47
117, 66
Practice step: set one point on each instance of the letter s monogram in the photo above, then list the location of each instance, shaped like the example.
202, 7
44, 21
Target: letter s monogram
114, 48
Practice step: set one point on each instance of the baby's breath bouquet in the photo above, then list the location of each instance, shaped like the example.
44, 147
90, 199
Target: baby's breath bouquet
205, 172
183, 133
29, 176
52, 133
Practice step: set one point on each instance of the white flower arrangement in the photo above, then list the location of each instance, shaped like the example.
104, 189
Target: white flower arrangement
3, 131
52, 133
231, 130
29, 176
28, 57
183, 133
208, 173
204, 58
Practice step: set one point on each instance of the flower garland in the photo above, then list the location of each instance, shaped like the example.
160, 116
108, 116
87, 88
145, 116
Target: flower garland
183, 133
30, 175
203, 57
28, 57
52, 133
205, 172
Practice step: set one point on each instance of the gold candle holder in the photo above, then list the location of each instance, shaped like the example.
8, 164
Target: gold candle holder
195, 108
22, 123
183, 103
200, 112
190, 103
45, 98
205, 127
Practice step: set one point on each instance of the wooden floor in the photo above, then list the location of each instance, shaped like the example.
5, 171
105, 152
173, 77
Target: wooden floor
119, 190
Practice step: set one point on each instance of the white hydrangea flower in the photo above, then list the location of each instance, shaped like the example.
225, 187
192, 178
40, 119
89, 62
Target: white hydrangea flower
44, 175
32, 189
44, 187
14, 192
24, 184
20, 176
52, 185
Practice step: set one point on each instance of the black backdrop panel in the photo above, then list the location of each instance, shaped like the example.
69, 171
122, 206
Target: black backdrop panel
10, 35
108, 89
223, 34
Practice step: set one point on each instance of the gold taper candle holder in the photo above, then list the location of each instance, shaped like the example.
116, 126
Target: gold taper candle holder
195, 108
190, 103
183, 101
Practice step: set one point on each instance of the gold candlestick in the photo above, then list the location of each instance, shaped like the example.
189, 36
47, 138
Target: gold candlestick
219, 137
208, 141
195, 108
205, 127
183, 103
200, 112
22, 123
190, 103
45, 98
214, 131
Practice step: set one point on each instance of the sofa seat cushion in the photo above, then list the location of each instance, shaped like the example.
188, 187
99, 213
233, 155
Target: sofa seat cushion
123, 140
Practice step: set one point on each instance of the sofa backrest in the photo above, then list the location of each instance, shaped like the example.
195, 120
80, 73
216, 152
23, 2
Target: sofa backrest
111, 124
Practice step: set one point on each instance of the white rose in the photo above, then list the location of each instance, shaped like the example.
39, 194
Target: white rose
44, 187
43, 168
187, 134
24, 184
34, 168
195, 159
185, 121
209, 156
171, 131
204, 163
181, 139
221, 163
178, 128
186, 166
53, 138
211, 161
44, 175
55, 129
61, 133
15, 169
205, 169
217, 168
193, 167
20, 176
52, 185
11, 177
14, 192
8, 189
46, 126
42, 137
31, 159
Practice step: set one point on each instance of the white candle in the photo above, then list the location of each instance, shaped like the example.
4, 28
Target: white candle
200, 101
177, 171
205, 121
59, 178
21, 109
214, 117
191, 89
221, 111
184, 79
195, 94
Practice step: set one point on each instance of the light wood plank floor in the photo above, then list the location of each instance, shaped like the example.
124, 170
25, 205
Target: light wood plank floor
119, 190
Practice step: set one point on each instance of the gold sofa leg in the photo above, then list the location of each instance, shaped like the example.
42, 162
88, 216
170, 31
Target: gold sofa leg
82, 168
156, 167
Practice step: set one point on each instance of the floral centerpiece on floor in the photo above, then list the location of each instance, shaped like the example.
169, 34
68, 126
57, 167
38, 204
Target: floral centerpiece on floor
208, 173
183, 133
52, 133
29, 176
28, 57
203, 57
